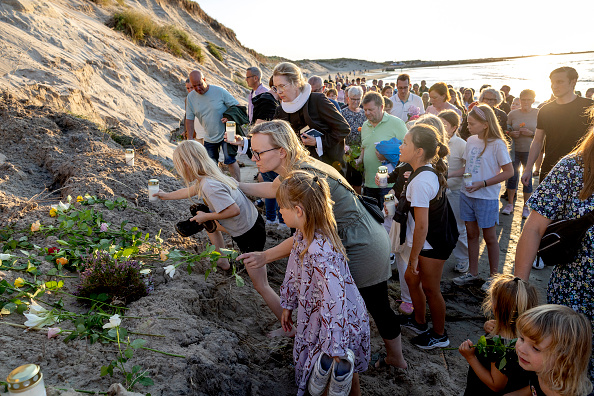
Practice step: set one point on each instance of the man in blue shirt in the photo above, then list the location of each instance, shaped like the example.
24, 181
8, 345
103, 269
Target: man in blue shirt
208, 103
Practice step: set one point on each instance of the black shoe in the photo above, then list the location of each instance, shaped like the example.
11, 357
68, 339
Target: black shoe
187, 228
409, 322
210, 225
431, 340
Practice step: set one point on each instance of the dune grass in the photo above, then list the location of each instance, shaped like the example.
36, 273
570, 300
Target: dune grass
142, 29
215, 50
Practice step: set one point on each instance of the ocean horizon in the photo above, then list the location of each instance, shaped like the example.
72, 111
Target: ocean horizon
519, 74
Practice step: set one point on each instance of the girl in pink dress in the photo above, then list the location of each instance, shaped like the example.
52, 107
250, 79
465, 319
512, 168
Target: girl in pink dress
332, 317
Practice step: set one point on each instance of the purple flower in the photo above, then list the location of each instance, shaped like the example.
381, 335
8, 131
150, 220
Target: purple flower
103, 227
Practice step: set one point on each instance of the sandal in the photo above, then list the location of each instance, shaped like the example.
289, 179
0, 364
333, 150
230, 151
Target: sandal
378, 357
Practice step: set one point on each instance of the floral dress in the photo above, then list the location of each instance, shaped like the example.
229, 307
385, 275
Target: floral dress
557, 197
355, 121
331, 314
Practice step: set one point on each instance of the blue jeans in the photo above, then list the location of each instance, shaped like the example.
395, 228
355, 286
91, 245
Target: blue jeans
213, 152
512, 182
272, 209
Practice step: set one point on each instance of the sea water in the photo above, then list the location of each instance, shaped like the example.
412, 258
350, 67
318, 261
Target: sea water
519, 74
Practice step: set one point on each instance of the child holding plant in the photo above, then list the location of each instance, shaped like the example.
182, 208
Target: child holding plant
332, 334
554, 344
233, 212
507, 299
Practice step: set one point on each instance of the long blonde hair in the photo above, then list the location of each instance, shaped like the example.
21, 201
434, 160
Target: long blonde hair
507, 299
566, 358
282, 135
312, 194
585, 148
192, 163
485, 115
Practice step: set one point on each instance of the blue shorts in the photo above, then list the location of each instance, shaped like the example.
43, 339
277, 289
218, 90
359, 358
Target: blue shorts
213, 152
484, 211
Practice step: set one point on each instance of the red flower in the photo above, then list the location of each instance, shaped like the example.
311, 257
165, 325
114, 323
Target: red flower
53, 250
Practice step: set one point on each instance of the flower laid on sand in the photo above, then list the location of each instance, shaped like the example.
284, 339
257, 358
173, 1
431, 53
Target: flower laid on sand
62, 260
79, 198
35, 226
53, 250
114, 321
4, 256
170, 270
145, 271
59, 208
38, 316
103, 227
53, 332
164, 254
53, 212
19, 282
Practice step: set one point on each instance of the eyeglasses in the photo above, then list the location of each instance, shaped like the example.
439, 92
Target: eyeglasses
248, 77
355, 99
256, 154
280, 87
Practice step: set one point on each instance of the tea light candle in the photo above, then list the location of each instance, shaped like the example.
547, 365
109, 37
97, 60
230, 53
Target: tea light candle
130, 157
467, 179
382, 174
26, 380
230, 128
153, 188
390, 203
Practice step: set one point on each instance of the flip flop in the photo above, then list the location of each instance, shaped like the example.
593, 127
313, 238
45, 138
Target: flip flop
381, 358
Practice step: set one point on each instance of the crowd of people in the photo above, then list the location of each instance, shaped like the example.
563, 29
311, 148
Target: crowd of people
374, 177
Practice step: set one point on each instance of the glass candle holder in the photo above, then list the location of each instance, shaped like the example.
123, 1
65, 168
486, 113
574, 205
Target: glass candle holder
467, 179
130, 157
382, 174
230, 128
390, 203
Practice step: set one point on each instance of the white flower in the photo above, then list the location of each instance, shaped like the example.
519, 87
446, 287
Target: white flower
114, 321
64, 206
37, 309
4, 256
39, 321
170, 270
145, 271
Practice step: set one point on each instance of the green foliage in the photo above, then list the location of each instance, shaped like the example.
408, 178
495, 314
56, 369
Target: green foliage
142, 29
352, 156
215, 50
240, 81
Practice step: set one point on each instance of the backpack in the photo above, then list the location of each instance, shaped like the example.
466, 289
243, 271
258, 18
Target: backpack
563, 239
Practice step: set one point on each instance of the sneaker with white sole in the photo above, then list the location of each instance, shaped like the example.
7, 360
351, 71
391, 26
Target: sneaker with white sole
525, 212
431, 340
465, 279
485, 287
508, 209
538, 263
320, 375
410, 323
342, 375
461, 267
272, 223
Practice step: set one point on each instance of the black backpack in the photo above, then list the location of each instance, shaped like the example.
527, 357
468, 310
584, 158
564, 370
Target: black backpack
563, 239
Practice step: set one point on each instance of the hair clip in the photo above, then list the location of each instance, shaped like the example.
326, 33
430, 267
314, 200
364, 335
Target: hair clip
315, 179
480, 112
518, 279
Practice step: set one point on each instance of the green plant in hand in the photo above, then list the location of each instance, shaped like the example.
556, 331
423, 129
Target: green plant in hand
352, 156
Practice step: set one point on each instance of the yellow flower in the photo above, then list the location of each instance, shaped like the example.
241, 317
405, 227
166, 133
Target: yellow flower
79, 198
19, 282
62, 260
53, 212
35, 226
164, 254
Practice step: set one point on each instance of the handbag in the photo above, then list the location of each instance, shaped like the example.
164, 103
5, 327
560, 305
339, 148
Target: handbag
369, 203
563, 239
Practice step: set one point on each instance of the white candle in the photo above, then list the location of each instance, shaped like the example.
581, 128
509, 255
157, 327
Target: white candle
153, 188
130, 157
390, 204
230, 128
382, 174
26, 380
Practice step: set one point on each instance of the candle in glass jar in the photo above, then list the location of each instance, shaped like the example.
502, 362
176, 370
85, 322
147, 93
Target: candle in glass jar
153, 188
26, 380
382, 174
130, 157
390, 203
230, 128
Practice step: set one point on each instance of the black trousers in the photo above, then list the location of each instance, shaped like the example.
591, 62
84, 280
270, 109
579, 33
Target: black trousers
378, 304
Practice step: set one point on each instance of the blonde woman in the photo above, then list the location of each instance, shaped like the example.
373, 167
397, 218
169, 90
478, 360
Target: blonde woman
306, 110
276, 148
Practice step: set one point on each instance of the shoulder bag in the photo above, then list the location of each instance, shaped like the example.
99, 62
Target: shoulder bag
563, 239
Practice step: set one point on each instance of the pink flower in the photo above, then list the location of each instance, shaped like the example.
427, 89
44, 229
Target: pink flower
53, 332
103, 227
413, 111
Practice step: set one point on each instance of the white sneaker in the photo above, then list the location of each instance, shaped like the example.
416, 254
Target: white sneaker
485, 287
342, 375
538, 264
320, 375
461, 267
271, 223
465, 279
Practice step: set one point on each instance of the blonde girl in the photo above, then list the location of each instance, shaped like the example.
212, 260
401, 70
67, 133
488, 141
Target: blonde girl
554, 342
431, 232
233, 212
488, 161
332, 334
507, 299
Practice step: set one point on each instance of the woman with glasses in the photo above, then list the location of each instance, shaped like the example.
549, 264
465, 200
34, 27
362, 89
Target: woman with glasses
355, 116
306, 110
275, 147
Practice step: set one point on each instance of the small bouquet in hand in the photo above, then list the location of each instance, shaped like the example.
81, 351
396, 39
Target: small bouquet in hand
413, 113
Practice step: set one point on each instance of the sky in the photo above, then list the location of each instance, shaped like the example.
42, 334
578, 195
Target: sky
395, 30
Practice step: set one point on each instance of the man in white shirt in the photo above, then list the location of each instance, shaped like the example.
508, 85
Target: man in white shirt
405, 101
253, 76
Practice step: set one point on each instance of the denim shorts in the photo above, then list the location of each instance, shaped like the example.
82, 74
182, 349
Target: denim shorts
484, 211
213, 152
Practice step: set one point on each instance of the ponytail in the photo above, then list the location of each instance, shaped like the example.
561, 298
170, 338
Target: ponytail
428, 138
